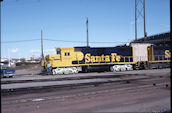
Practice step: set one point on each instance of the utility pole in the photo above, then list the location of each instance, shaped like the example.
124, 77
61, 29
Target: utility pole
87, 32
0, 28
140, 12
170, 18
145, 34
135, 20
42, 54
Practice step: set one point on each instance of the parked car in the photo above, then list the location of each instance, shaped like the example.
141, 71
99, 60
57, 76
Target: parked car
7, 72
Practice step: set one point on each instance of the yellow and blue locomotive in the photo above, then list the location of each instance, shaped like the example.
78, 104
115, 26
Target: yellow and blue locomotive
119, 58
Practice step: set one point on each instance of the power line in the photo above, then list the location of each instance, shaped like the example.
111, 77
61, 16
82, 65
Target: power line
64, 41
18, 41
78, 41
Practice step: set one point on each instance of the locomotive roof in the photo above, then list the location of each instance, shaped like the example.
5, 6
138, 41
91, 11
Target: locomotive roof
100, 47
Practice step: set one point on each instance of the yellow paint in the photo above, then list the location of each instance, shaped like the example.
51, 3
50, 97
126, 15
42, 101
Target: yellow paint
133, 53
114, 57
87, 58
167, 54
42, 63
160, 61
107, 58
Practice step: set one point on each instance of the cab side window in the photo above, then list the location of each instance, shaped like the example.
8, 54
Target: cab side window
67, 54
58, 52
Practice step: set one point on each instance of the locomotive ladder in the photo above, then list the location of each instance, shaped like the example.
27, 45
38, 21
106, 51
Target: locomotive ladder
137, 65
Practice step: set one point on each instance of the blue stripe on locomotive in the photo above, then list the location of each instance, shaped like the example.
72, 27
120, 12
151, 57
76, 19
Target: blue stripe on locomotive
122, 51
159, 51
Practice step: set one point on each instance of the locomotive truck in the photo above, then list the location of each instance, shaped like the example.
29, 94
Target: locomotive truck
119, 58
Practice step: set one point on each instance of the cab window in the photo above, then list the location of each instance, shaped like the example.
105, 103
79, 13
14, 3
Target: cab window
58, 52
67, 54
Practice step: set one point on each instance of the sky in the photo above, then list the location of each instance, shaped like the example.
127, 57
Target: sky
63, 22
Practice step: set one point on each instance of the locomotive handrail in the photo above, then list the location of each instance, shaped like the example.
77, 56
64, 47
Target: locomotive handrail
126, 57
161, 57
140, 58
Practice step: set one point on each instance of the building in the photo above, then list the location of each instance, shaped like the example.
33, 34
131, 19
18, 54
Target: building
162, 39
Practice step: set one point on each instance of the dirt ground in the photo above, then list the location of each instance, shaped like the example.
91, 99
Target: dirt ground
28, 69
30, 66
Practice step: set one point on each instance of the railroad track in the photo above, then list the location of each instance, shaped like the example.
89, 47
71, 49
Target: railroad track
68, 78
124, 80
101, 89
91, 76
